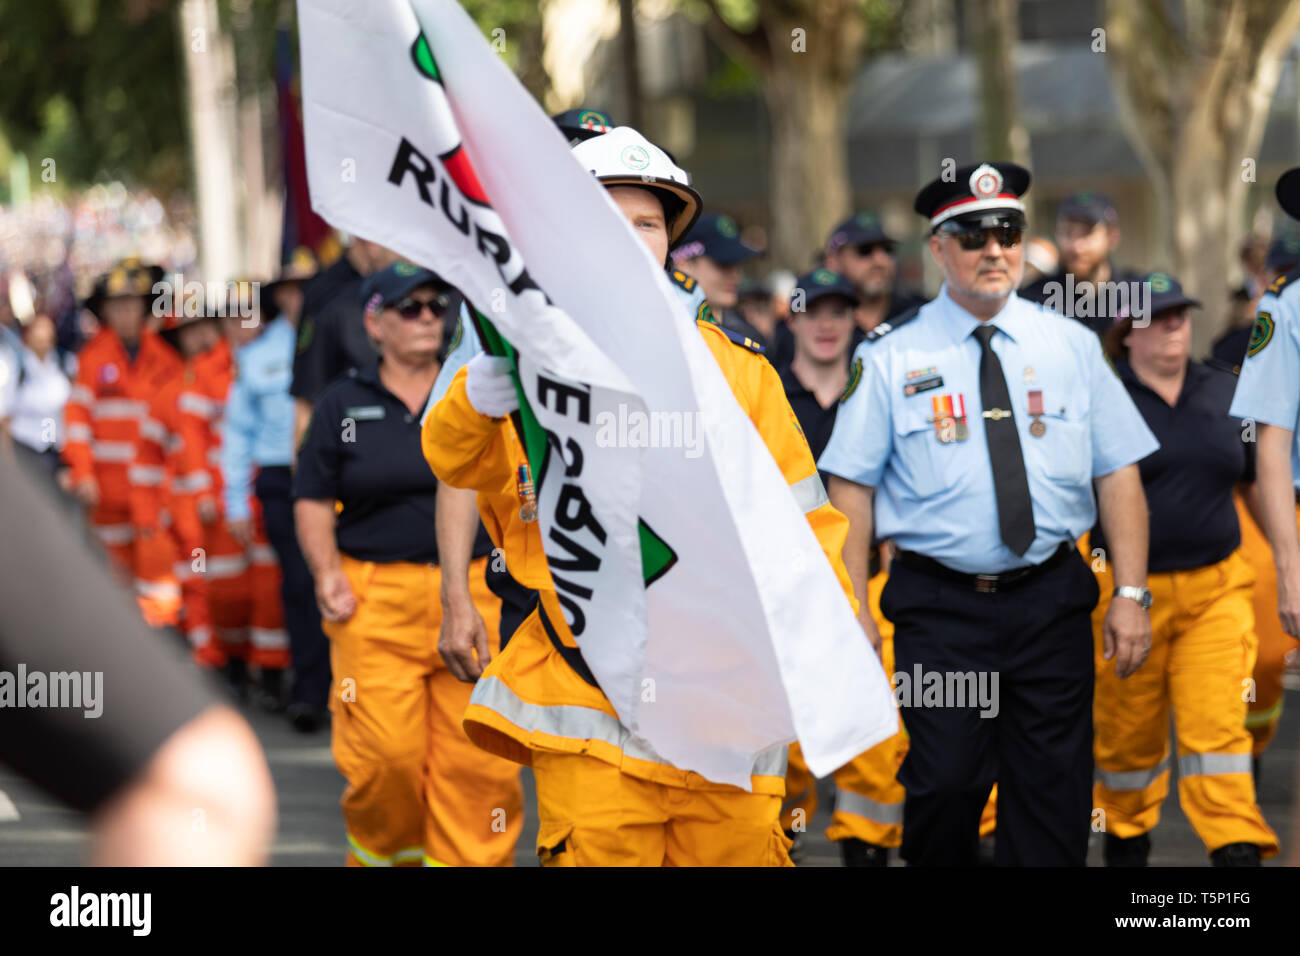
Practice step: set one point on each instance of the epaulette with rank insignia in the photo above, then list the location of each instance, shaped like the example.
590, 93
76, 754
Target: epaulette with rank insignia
682, 279
884, 328
744, 341
1289, 279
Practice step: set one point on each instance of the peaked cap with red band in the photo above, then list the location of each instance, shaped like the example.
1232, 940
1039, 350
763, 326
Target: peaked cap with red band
983, 189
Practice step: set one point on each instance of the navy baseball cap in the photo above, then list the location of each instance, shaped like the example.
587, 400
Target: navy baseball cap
1283, 254
819, 284
859, 228
717, 236
391, 285
1166, 293
983, 194
582, 124
1088, 207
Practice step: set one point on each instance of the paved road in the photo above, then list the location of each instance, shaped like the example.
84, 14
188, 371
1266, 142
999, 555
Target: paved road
34, 831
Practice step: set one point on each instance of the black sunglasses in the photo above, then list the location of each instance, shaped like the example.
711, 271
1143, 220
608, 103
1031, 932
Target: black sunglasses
977, 237
410, 308
868, 248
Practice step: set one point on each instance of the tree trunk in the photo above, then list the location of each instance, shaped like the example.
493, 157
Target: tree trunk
810, 171
805, 53
1194, 105
997, 33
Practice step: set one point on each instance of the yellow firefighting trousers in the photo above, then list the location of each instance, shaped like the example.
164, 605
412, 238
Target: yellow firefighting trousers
593, 814
418, 791
1202, 654
1265, 705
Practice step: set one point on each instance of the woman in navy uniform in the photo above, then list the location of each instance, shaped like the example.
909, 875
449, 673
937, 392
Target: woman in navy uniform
1203, 635
418, 790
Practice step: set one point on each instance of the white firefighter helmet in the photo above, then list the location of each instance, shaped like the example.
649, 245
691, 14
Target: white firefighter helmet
623, 157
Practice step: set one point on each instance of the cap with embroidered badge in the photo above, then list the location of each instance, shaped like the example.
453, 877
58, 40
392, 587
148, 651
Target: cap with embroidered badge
391, 285
717, 236
859, 229
580, 124
820, 284
1283, 254
1088, 207
983, 194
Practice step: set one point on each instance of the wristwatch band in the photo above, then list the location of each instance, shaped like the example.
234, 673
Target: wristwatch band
1141, 595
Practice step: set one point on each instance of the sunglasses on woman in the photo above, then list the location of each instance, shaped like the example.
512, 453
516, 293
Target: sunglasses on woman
410, 308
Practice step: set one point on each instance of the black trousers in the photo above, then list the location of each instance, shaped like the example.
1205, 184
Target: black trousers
308, 646
1037, 639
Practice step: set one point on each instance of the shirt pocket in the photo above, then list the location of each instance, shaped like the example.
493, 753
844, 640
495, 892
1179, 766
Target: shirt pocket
1065, 448
914, 452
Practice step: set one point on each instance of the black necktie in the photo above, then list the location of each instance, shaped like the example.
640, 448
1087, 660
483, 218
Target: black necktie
1010, 483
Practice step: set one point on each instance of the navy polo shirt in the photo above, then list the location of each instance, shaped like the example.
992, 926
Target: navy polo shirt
1189, 480
816, 422
362, 449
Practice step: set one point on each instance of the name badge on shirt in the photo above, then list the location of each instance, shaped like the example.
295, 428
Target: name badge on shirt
949, 418
922, 380
366, 413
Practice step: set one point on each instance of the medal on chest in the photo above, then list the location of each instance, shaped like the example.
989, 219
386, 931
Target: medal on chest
527, 495
1037, 427
949, 418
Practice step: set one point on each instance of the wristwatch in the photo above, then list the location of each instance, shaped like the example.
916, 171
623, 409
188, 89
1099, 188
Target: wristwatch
1141, 595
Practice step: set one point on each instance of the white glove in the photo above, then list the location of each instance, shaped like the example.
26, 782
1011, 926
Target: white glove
489, 387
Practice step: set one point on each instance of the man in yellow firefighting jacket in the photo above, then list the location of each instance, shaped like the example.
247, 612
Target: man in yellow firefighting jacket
603, 797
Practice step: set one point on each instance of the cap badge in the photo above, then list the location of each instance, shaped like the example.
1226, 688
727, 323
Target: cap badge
824, 277
593, 120
727, 227
405, 269
985, 181
635, 157
1159, 282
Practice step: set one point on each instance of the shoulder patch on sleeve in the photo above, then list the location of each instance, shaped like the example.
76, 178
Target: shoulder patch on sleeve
456, 336
1262, 333
681, 279
884, 328
855, 376
305, 334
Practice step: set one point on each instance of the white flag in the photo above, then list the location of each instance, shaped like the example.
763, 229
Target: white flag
419, 138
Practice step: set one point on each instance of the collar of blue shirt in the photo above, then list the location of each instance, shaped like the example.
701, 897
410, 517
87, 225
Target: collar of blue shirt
1014, 312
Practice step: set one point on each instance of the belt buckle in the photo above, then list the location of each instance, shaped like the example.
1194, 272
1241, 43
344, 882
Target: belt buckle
986, 583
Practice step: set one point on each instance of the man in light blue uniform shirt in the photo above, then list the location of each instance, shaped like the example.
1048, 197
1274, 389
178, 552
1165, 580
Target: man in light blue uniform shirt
257, 436
978, 428
1268, 393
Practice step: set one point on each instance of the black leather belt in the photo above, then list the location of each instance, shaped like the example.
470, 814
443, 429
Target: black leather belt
984, 583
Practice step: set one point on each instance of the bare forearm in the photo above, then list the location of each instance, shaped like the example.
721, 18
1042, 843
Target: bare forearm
854, 502
1277, 496
457, 525
1123, 507
315, 524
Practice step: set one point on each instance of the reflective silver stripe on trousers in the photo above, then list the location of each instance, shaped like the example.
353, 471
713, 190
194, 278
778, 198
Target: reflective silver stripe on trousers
268, 637
584, 723
114, 533
809, 493
860, 806
1132, 779
114, 451
1193, 765
107, 408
